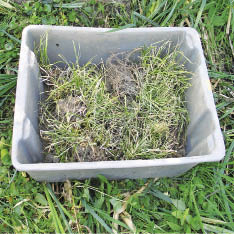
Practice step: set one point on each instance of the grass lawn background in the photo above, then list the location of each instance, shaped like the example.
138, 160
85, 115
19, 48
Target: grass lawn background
202, 200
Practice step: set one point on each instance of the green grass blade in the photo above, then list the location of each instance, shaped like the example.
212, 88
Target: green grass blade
10, 36
5, 88
230, 194
60, 208
70, 5
213, 221
3, 82
5, 222
197, 212
145, 19
169, 15
222, 105
7, 76
67, 213
225, 200
4, 62
110, 218
6, 5
228, 178
228, 112
160, 195
3, 100
96, 216
157, 9
200, 13
227, 158
57, 222
220, 75
179, 204
216, 229
121, 28
5, 121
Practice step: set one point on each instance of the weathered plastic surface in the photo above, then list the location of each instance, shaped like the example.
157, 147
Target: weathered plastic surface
204, 141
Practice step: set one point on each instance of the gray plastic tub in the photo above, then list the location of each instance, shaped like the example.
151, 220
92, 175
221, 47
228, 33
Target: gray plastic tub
204, 141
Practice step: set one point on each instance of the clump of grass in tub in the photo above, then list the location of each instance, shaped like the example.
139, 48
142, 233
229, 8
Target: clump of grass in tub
122, 110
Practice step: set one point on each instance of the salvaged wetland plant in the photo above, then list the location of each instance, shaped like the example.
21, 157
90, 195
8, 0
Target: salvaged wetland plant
131, 107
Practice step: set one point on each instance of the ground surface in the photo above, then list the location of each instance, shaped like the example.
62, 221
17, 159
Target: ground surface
119, 111
199, 201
